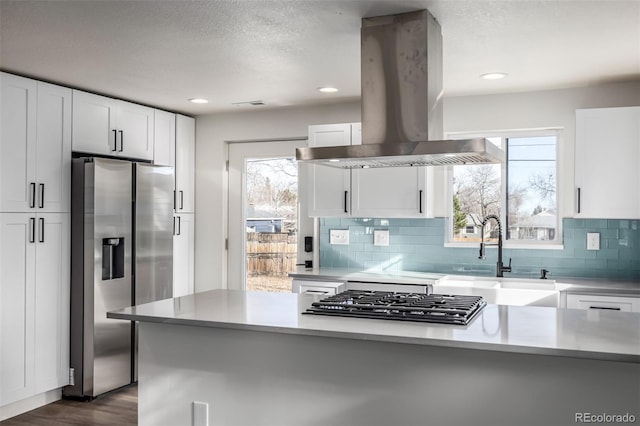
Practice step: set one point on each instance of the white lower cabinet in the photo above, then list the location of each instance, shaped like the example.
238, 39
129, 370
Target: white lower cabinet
34, 299
183, 254
610, 303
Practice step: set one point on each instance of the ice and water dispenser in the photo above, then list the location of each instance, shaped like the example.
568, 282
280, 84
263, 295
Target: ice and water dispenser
112, 258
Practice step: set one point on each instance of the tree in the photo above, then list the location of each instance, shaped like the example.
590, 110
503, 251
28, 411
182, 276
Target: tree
478, 191
459, 217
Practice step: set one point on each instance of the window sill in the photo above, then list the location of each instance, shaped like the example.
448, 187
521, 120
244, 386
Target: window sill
510, 246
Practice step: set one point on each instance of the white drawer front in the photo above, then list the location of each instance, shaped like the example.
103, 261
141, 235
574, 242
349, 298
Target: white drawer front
593, 301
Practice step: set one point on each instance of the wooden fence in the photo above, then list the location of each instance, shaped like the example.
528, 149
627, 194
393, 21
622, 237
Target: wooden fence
271, 253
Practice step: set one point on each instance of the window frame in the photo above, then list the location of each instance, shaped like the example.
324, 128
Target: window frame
555, 244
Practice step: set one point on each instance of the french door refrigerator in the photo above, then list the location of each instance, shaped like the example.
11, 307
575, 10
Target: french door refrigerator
122, 255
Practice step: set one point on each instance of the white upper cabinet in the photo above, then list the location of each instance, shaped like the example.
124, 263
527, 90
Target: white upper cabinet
376, 192
164, 131
392, 192
35, 149
607, 163
330, 188
185, 164
107, 126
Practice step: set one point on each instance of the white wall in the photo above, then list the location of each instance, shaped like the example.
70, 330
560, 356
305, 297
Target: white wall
544, 109
538, 110
212, 134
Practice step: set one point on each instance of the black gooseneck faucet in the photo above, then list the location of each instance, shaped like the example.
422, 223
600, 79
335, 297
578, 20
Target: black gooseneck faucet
500, 268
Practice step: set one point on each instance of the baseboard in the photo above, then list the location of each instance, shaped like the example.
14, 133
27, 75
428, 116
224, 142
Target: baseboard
28, 404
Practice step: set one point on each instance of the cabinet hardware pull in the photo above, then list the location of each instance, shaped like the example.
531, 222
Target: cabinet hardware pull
181, 200
32, 229
578, 200
41, 230
179, 226
606, 308
115, 140
346, 196
32, 198
420, 201
174, 225
121, 140
41, 196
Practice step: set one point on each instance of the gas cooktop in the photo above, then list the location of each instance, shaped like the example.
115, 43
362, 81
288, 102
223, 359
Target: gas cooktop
439, 308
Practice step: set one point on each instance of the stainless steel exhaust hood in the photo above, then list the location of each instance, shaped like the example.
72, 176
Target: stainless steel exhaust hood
401, 62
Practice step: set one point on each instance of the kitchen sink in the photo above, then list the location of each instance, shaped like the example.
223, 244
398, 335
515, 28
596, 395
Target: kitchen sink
502, 291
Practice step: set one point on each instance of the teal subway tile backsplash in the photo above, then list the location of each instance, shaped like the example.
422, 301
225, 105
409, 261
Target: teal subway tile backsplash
418, 245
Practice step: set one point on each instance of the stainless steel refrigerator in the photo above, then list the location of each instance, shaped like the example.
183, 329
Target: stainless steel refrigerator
122, 255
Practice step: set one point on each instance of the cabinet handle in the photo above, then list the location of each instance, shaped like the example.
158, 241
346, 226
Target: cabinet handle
420, 201
32, 229
181, 200
346, 196
121, 140
179, 226
115, 140
41, 196
41, 230
606, 308
32, 193
578, 200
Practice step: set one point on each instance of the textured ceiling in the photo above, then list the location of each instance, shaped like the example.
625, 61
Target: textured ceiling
163, 52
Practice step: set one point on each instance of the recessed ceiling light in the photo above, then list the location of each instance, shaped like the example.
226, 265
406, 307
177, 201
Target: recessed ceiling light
327, 89
198, 101
494, 75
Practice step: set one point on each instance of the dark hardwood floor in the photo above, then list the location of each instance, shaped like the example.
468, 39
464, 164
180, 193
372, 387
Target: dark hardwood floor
117, 408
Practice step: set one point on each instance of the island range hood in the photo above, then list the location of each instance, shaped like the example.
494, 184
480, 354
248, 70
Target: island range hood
401, 65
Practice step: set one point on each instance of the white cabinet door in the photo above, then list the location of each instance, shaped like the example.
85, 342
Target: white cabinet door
34, 298
94, 124
17, 304
164, 134
17, 143
106, 126
135, 131
185, 164
35, 151
607, 158
53, 155
392, 192
330, 188
183, 254
52, 275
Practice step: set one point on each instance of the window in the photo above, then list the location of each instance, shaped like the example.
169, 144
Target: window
521, 192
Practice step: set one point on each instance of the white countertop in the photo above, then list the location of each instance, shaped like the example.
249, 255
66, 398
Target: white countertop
567, 284
577, 333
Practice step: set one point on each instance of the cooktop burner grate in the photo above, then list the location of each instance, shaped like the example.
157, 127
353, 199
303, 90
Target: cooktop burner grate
440, 308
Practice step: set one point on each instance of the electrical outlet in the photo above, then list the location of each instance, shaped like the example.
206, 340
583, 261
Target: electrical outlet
339, 236
380, 237
593, 241
200, 413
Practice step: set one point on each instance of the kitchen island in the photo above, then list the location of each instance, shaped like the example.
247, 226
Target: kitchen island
254, 359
